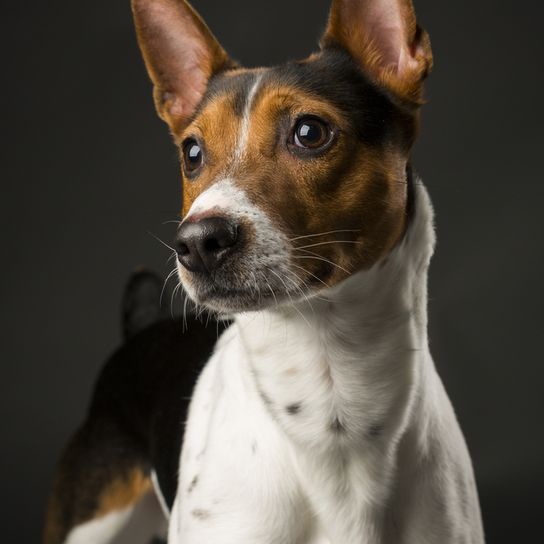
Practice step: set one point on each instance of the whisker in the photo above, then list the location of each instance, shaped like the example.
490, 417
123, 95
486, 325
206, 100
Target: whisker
301, 315
331, 242
316, 258
299, 288
161, 241
322, 234
200, 313
290, 297
405, 182
185, 326
257, 288
279, 277
174, 292
313, 275
254, 290
165, 283
272, 291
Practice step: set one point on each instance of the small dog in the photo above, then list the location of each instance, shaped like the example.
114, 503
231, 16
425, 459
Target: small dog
319, 418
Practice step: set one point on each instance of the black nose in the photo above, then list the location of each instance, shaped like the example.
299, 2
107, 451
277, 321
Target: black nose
204, 244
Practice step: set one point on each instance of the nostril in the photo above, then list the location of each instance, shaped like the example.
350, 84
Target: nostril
183, 249
212, 244
221, 235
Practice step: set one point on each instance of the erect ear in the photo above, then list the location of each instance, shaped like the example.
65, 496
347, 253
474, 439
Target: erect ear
384, 38
180, 54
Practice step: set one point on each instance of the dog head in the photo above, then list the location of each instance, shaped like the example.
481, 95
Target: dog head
294, 177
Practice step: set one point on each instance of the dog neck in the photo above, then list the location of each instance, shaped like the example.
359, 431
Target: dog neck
347, 360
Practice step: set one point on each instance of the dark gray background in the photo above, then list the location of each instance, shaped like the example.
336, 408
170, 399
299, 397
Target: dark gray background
89, 169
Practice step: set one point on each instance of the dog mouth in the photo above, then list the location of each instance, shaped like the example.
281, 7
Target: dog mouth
249, 290
230, 300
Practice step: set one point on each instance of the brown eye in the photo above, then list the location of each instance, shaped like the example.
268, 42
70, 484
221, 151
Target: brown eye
311, 133
192, 155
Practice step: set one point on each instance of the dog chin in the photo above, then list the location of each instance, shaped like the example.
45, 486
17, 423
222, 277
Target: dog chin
229, 297
230, 301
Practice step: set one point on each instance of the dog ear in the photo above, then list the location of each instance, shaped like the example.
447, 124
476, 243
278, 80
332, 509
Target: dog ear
180, 54
384, 38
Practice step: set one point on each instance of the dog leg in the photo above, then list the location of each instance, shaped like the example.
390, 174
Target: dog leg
102, 491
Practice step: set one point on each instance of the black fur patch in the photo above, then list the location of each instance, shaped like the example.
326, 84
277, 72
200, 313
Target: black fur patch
375, 430
136, 419
141, 302
193, 484
335, 77
293, 409
237, 86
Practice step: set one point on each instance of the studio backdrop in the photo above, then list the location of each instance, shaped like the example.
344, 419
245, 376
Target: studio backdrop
90, 175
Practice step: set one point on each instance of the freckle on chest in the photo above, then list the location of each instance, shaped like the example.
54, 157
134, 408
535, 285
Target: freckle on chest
200, 513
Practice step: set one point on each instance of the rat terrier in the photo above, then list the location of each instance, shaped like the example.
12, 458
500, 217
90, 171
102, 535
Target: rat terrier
319, 417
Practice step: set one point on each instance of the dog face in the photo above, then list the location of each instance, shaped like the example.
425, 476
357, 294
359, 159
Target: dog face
294, 177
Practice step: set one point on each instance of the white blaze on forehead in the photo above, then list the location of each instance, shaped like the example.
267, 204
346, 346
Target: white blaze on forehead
243, 135
222, 196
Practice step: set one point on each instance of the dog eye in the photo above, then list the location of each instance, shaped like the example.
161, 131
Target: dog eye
192, 155
311, 133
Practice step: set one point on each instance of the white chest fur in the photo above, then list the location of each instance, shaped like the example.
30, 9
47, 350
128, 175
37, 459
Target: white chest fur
321, 424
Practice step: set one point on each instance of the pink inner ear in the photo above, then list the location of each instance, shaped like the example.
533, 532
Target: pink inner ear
184, 61
385, 24
383, 21
188, 84
180, 53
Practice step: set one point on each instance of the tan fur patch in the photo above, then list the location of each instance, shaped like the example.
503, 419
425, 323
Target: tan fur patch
217, 128
123, 492
119, 494
348, 26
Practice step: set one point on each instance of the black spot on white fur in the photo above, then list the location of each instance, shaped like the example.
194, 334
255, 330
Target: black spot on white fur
375, 430
266, 398
293, 409
193, 484
200, 513
336, 426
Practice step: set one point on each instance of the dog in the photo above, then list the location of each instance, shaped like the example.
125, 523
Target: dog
318, 417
